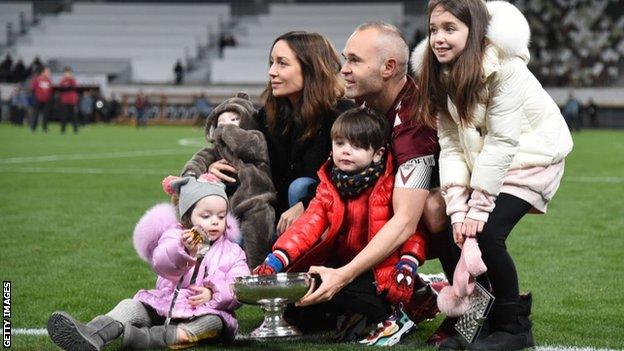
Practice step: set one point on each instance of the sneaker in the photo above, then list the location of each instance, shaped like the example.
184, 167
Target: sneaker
390, 331
349, 327
423, 306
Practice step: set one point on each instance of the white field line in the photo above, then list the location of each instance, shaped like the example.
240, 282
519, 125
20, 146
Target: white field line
70, 170
197, 142
593, 179
244, 337
95, 156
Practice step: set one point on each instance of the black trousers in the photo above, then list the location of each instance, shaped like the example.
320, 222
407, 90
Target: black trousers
44, 109
360, 296
501, 275
68, 112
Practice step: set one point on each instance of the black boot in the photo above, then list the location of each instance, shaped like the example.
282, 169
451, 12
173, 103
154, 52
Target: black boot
147, 338
71, 335
509, 330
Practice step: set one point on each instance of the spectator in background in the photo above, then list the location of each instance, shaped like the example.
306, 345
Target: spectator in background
35, 67
112, 108
141, 103
203, 106
41, 87
19, 104
86, 107
5, 68
178, 72
226, 39
99, 110
19, 73
592, 113
69, 99
572, 113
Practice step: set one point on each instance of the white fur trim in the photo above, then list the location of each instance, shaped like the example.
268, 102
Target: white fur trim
418, 56
508, 29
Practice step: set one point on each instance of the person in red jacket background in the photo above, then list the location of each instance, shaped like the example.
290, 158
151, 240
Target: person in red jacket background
69, 99
41, 87
353, 201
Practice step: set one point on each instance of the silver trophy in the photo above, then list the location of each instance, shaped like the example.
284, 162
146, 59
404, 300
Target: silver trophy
273, 292
470, 323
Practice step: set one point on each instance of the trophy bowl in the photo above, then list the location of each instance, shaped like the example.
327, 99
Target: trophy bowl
273, 292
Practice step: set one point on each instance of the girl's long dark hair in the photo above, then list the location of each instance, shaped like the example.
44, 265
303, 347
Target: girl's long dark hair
464, 81
322, 86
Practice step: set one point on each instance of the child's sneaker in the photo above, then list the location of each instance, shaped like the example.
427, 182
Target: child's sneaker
390, 331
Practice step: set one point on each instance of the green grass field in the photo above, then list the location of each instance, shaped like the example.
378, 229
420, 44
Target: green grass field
68, 205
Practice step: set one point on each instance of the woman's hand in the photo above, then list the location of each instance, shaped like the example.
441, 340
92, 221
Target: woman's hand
472, 227
203, 295
289, 216
220, 168
191, 242
458, 235
333, 280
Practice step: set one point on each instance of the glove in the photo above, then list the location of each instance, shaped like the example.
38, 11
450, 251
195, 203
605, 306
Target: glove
402, 287
272, 264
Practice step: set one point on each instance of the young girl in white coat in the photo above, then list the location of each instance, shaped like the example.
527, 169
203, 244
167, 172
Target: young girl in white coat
503, 143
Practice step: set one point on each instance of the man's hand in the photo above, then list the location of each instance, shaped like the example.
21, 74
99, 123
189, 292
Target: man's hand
289, 216
333, 280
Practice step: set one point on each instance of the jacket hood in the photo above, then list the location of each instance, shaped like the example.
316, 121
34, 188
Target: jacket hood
163, 217
508, 32
240, 104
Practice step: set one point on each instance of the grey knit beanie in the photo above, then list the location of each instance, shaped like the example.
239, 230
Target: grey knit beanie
192, 190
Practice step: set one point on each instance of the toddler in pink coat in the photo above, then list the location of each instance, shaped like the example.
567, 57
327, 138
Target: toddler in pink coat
196, 258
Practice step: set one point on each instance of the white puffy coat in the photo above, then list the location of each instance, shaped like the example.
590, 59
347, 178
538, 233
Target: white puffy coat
519, 126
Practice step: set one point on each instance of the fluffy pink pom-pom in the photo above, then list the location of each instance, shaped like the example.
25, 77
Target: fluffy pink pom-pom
451, 304
166, 184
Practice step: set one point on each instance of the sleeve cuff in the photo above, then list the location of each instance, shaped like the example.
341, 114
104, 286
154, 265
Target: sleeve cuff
458, 217
478, 215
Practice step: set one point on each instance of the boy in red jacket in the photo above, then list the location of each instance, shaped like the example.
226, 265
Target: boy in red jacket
353, 201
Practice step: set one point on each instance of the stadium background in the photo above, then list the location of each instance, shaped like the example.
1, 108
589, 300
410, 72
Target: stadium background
68, 203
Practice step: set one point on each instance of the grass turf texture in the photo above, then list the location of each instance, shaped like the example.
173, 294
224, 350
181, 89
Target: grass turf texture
66, 224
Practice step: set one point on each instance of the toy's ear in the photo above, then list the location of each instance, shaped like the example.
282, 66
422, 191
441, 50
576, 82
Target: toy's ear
242, 95
166, 184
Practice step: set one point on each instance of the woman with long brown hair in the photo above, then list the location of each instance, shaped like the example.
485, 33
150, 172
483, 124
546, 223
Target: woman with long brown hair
503, 143
302, 99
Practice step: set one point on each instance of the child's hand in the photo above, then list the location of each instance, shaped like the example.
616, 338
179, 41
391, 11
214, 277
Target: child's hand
458, 235
472, 227
191, 242
203, 295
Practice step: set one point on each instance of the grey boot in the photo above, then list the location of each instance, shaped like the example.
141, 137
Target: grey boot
71, 335
147, 338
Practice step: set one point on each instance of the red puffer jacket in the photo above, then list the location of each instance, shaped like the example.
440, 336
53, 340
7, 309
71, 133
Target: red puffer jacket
311, 239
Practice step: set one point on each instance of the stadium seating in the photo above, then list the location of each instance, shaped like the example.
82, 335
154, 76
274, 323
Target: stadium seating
247, 63
16, 14
151, 38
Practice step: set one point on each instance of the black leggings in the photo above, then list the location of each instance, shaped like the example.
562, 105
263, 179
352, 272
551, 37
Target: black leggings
501, 273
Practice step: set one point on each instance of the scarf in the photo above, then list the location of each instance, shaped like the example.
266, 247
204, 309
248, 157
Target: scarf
352, 185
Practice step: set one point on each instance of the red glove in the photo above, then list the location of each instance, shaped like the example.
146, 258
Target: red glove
401, 288
263, 269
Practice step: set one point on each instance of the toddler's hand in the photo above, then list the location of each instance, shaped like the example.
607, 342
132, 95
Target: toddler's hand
191, 242
458, 236
203, 295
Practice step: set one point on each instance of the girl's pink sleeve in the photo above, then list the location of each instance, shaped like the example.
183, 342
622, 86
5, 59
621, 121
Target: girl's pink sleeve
456, 198
481, 205
221, 285
170, 259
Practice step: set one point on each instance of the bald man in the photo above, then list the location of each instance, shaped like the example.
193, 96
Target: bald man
375, 71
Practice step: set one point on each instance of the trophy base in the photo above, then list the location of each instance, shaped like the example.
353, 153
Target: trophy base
274, 324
